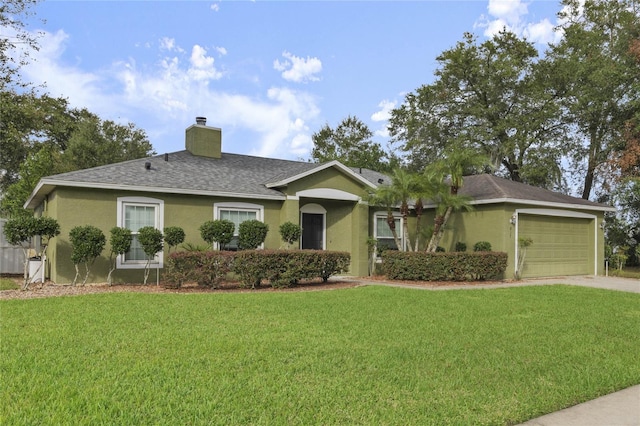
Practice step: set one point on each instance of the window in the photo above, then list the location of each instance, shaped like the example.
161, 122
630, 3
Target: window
237, 213
383, 234
133, 214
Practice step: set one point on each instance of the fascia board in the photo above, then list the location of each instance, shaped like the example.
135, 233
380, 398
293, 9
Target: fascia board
334, 163
36, 196
536, 203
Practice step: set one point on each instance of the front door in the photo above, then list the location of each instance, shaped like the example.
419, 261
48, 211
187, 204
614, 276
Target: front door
312, 231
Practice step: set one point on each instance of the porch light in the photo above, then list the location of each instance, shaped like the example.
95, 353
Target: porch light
514, 219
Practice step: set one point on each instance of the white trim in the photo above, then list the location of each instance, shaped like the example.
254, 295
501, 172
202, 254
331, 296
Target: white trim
536, 203
313, 208
240, 206
328, 194
335, 163
142, 201
555, 213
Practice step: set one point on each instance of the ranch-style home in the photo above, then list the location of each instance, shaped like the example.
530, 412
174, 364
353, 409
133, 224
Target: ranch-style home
201, 183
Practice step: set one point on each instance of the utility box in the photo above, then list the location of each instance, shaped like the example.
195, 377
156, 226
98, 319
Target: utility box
36, 270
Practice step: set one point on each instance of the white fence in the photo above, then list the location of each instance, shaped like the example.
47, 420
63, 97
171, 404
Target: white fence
11, 257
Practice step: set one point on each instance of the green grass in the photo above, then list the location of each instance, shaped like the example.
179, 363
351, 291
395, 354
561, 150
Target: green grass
8, 284
370, 355
627, 272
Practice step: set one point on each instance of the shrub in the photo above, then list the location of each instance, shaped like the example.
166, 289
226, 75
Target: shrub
22, 230
425, 266
207, 268
440, 249
173, 235
120, 241
461, 247
251, 233
150, 239
482, 246
217, 231
282, 268
87, 242
290, 233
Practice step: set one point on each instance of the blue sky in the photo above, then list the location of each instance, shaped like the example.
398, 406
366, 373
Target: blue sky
270, 74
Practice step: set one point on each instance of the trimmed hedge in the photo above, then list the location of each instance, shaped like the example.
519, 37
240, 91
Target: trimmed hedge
207, 268
454, 266
282, 268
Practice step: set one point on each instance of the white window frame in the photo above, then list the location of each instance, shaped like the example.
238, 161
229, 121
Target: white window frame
245, 207
158, 204
399, 230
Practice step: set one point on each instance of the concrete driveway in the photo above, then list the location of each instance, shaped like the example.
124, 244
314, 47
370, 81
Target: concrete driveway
609, 283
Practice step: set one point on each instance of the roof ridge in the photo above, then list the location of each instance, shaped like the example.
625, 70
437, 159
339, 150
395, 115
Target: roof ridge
495, 184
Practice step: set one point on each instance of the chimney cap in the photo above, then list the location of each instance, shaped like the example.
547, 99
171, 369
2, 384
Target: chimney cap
201, 121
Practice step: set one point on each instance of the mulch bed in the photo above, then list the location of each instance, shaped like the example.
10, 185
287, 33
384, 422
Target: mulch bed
49, 289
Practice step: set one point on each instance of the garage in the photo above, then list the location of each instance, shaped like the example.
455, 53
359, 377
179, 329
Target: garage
561, 245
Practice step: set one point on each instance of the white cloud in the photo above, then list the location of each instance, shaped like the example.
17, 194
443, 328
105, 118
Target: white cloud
385, 112
163, 99
509, 10
202, 67
221, 50
541, 32
297, 69
215, 7
167, 43
511, 15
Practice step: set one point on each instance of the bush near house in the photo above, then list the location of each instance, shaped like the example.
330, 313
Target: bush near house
454, 266
207, 268
282, 268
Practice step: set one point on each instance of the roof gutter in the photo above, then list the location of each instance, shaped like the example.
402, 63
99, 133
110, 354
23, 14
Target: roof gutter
45, 186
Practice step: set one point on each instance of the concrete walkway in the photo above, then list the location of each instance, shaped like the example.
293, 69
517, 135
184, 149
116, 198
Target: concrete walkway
617, 409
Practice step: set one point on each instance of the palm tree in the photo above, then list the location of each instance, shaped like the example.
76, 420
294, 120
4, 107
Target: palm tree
448, 173
385, 196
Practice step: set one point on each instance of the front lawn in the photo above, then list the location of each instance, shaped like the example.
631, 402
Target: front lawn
369, 355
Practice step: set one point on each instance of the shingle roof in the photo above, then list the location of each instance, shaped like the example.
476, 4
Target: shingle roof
248, 176
489, 188
233, 175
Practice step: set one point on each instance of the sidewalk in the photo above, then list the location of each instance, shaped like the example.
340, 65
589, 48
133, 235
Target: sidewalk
617, 409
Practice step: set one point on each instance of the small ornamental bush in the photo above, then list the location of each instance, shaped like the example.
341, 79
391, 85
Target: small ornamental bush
21, 230
150, 239
460, 246
217, 231
173, 235
120, 242
290, 233
425, 266
87, 243
482, 246
251, 233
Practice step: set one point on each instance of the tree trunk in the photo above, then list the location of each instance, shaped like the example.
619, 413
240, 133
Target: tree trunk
392, 225
25, 284
438, 230
419, 209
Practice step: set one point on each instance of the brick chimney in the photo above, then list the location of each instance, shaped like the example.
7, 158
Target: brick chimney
203, 140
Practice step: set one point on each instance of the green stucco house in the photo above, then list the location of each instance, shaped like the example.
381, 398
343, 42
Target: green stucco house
187, 188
